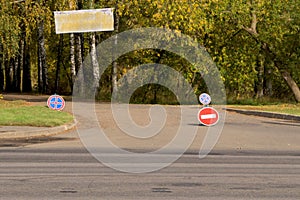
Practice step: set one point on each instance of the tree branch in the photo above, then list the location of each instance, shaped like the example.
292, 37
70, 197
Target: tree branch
18, 1
254, 23
252, 29
230, 38
252, 34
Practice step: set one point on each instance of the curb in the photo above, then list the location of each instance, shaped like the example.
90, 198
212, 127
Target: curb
265, 114
33, 132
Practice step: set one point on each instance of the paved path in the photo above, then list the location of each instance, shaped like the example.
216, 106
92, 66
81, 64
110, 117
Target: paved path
240, 133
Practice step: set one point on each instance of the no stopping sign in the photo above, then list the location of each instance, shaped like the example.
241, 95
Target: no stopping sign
56, 102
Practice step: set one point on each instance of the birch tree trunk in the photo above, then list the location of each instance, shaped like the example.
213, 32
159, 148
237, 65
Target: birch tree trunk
72, 59
93, 53
78, 45
115, 63
115, 71
59, 59
42, 64
95, 64
79, 64
72, 5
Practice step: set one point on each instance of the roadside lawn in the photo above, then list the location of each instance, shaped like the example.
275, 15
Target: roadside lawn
293, 109
21, 113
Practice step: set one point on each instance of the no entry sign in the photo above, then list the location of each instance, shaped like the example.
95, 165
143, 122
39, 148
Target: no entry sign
56, 102
208, 116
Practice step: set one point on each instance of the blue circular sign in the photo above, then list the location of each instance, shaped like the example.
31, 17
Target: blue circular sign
204, 99
56, 102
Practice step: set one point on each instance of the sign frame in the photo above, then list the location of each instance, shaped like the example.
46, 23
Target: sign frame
80, 21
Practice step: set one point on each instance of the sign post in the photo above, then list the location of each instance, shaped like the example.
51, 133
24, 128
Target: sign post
207, 116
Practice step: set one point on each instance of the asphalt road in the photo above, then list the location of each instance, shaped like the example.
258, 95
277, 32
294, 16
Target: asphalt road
71, 173
254, 158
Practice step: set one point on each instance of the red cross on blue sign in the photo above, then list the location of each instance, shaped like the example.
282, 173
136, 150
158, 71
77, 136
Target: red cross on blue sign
56, 102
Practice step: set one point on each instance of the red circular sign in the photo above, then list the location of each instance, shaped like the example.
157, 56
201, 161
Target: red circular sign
208, 116
56, 102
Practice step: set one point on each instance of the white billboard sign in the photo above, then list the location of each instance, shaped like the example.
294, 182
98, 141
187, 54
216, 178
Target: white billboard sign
78, 21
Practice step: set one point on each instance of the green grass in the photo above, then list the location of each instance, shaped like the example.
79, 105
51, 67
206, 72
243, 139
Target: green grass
20, 113
293, 109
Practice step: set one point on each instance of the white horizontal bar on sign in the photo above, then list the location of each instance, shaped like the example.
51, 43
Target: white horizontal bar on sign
208, 116
79, 21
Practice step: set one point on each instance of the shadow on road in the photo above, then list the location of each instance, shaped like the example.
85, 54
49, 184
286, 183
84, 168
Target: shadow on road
283, 123
29, 141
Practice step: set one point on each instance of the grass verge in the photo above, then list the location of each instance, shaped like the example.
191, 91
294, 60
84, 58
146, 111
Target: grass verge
293, 109
21, 113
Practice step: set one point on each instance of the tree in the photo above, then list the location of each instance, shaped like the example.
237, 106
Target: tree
27, 82
1, 69
42, 64
9, 39
270, 26
72, 4
93, 54
255, 44
282, 63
